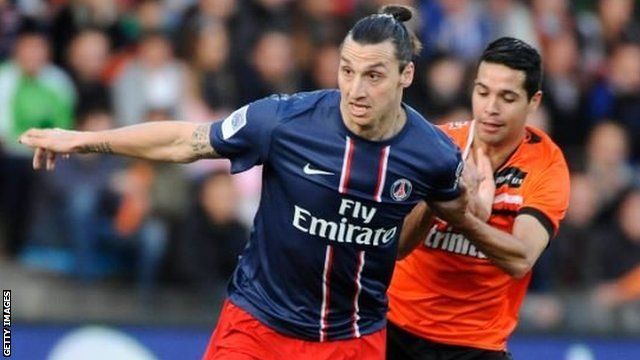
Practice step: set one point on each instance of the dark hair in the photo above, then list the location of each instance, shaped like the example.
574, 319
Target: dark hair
31, 27
388, 24
517, 55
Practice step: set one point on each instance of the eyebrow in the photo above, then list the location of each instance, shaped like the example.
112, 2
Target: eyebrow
503, 91
370, 67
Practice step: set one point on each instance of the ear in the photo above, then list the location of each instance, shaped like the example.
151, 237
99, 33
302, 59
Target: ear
406, 77
535, 101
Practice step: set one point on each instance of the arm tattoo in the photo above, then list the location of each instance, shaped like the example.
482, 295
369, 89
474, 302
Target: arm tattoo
102, 148
200, 142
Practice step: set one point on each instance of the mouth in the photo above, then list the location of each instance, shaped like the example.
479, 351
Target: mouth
491, 126
357, 109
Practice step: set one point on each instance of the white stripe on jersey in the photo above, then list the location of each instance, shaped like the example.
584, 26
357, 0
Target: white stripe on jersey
508, 199
467, 147
382, 172
356, 307
326, 276
346, 165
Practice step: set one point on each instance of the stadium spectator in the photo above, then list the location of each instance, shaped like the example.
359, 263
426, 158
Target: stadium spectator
618, 252
562, 89
152, 80
444, 96
272, 68
511, 18
617, 96
211, 80
457, 27
214, 235
87, 60
76, 15
609, 167
33, 93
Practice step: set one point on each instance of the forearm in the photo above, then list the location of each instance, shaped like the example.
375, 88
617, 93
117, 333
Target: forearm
173, 141
414, 230
503, 249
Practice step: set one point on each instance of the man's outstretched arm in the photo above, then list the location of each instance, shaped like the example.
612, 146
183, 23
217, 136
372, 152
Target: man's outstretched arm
172, 141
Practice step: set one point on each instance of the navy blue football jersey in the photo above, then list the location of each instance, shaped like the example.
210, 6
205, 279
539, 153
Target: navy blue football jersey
323, 245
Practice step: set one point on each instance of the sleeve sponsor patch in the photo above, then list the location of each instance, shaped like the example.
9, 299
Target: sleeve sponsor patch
234, 122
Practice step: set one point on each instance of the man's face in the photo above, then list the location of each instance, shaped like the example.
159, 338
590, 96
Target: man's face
32, 53
500, 103
370, 83
89, 54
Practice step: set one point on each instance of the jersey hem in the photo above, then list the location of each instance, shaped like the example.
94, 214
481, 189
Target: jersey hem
274, 323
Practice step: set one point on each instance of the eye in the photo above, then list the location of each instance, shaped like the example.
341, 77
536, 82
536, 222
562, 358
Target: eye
347, 71
482, 92
374, 76
508, 99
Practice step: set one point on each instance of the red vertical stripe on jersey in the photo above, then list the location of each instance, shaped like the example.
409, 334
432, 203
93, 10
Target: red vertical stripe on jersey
326, 292
356, 307
346, 165
382, 172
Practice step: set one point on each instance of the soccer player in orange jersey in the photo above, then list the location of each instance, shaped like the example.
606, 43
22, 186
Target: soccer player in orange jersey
457, 295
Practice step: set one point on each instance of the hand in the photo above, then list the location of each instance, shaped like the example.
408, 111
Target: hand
478, 176
472, 178
486, 190
48, 143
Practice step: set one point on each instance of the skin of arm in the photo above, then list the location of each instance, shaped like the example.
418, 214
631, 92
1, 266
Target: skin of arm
415, 229
514, 253
171, 141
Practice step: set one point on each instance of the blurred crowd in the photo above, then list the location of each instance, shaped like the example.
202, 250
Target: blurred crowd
98, 64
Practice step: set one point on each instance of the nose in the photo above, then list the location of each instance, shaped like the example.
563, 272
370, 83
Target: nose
491, 106
358, 87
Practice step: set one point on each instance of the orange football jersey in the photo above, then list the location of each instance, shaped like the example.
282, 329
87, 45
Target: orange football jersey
447, 290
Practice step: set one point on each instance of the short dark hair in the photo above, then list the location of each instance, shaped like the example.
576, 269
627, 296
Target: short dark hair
517, 55
388, 24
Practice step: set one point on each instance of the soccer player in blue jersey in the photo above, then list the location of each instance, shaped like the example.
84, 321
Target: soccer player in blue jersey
341, 169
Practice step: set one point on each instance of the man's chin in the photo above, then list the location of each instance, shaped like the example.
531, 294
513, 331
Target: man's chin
363, 121
491, 139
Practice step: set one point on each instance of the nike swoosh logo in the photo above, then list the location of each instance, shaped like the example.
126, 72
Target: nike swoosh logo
309, 171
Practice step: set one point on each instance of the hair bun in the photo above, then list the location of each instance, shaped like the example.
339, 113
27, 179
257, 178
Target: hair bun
399, 12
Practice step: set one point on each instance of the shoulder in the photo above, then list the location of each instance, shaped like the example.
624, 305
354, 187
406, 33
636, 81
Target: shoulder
56, 79
458, 131
434, 145
428, 133
541, 150
284, 106
544, 163
7, 66
54, 74
9, 71
304, 101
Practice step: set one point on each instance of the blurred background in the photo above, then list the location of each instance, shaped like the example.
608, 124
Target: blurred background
136, 254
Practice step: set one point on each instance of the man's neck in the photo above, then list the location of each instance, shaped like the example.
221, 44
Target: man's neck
384, 129
499, 153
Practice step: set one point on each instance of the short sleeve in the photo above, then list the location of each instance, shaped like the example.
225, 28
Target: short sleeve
245, 135
445, 182
547, 198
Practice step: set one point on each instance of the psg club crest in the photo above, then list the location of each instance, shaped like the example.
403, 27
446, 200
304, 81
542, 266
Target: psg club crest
401, 189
